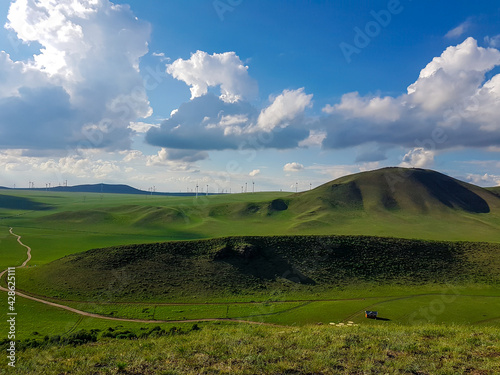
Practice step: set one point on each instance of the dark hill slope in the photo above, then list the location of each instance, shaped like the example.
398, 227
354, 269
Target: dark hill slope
253, 265
21, 203
399, 189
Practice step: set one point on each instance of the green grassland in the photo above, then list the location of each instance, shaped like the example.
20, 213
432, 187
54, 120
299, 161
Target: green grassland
440, 308
392, 202
238, 349
12, 254
236, 268
294, 280
377, 240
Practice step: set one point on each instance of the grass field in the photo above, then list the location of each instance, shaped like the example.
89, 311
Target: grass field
236, 349
439, 302
380, 203
245, 268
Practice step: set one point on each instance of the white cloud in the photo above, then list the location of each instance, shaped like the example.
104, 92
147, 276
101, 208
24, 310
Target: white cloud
418, 158
131, 155
454, 76
493, 41
169, 157
85, 165
315, 139
293, 167
374, 108
484, 180
459, 30
160, 159
208, 123
447, 82
284, 109
141, 127
85, 75
254, 173
232, 124
226, 70
450, 98
162, 56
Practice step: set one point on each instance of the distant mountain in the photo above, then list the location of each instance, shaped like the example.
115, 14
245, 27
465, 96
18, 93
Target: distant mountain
99, 188
106, 189
399, 189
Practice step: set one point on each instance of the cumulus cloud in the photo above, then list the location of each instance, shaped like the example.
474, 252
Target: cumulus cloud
83, 87
224, 70
453, 77
209, 123
450, 105
293, 167
84, 165
418, 158
254, 173
284, 108
166, 156
375, 108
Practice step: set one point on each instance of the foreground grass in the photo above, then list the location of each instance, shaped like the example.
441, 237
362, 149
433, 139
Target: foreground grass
240, 349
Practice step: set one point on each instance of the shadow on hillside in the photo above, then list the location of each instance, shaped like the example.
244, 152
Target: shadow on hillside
452, 194
261, 263
19, 203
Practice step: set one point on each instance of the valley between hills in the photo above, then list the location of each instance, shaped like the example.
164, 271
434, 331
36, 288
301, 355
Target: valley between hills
114, 270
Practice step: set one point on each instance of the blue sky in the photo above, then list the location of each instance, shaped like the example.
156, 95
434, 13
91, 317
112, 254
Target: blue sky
175, 93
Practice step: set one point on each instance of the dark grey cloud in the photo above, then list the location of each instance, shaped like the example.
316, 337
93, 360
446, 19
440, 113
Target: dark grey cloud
410, 131
208, 123
187, 156
38, 118
371, 155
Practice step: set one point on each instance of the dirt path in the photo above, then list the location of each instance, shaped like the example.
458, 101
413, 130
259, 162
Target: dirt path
96, 316
28, 253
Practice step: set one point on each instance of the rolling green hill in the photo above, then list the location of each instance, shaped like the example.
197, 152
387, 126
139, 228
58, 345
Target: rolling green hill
391, 202
416, 191
239, 266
